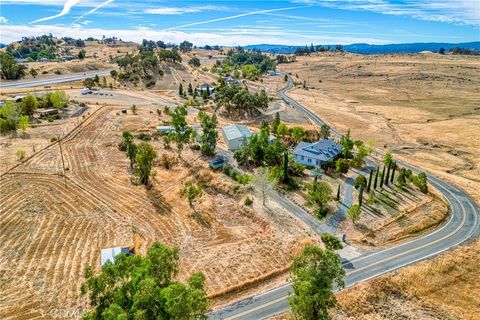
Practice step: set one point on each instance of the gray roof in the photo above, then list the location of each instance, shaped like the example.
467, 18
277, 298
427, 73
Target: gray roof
109, 254
324, 149
235, 131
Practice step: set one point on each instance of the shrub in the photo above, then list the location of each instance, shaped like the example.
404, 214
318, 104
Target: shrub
341, 165
53, 139
7, 125
168, 161
248, 201
144, 136
20, 154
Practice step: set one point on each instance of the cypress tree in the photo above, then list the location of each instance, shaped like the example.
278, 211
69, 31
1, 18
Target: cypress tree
388, 173
383, 175
376, 178
393, 171
370, 181
360, 195
338, 193
285, 167
180, 90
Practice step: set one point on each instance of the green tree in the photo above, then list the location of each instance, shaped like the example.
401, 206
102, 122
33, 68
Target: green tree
9, 68
387, 158
129, 147
194, 62
285, 176
250, 72
402, 177
359, 181
421, 182
347, 145
33, 72
134, 109
190, 89
354, 213
29, 104
275, 122
23, 123
282, 130
298, 133
181, 130
81, 54
341, 165
89, 83
285, 78
144, 160
180, 90
137, 287
314, 274
191, 191
20, 154
319, 194
331, 242
59, 99
209, 136
360, 195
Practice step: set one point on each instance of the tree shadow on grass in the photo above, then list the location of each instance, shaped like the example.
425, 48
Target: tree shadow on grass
158, 201
200, 219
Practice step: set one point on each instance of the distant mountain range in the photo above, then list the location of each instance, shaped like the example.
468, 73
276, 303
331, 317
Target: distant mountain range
365, 48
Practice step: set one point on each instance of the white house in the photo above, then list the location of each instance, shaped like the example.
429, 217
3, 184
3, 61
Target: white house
235, 135
205, 87
316, 153
109, 254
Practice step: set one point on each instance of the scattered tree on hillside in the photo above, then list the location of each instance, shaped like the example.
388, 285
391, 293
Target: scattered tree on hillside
33, 72
144, 160
145, 287
209, 136
315, 273
134, 109
324, 131
181, 130
387, 158
354, 213
59, 99
23, 123
275, 122
81, 54
347, 145
194, 62
29, 104
185, 46
421, 182
359, 181
342, 165
191, 191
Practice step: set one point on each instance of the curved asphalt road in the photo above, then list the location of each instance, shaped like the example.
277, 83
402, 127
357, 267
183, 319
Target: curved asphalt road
5, 84
464, 224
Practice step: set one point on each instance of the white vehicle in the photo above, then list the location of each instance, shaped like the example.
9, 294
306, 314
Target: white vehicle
85, 91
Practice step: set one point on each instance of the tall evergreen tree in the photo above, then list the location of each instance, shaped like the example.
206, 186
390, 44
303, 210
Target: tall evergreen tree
360, 195
276, 122
370, 181
190, 89
393, 171
285, 167
383, 175
388, 173
376, 178
209, 133
338, 193
180, 90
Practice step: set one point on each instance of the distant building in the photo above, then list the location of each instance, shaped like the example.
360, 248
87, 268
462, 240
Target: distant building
205, 87
235, 136
109, 254
272, 73
66, 57
17, 98
44, 60
317, 153
164, 129
231, 81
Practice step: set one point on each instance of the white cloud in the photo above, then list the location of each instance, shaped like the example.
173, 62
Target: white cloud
233, 37
66, 9
3, 20
450, 11
103, 4
181, 10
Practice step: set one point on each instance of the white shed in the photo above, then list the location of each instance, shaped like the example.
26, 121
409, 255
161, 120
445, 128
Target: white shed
235, 135
109, 254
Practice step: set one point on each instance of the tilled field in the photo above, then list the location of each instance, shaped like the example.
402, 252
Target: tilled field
49, 232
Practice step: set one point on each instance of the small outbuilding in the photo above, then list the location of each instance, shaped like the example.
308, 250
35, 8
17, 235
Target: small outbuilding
231, 81
109, 254
235, 136
47, 112
317, 153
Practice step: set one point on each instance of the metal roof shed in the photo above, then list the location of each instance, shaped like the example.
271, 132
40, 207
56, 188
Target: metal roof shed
109, 254
235, 135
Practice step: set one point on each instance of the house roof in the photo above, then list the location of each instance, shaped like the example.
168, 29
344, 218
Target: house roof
109, 254
324, 149
235, 131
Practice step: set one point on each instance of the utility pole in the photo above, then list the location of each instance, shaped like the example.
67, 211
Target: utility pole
63, 163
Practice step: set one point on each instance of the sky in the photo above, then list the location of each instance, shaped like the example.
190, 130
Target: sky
240, 22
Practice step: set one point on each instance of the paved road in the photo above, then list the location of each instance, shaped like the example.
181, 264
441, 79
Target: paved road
463, 225
5, 84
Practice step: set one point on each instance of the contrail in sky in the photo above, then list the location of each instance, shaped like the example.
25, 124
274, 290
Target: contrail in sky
66, 9
103, 4
235, 16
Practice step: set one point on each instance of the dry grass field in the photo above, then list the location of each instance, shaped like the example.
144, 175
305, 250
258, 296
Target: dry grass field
425, 108
50, 232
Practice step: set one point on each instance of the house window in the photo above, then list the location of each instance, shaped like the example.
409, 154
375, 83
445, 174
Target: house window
317, 162
309, 160
302, 157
